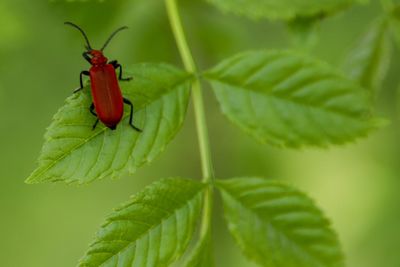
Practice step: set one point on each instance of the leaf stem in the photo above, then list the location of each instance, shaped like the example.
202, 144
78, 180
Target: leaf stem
198, 104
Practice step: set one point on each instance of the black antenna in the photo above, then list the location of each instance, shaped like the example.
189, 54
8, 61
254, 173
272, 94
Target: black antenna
88, 47
112, 35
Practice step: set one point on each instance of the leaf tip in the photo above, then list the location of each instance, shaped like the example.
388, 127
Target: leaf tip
29, 181
32, 179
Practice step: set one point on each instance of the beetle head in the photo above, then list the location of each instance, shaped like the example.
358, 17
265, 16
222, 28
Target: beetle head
97, 57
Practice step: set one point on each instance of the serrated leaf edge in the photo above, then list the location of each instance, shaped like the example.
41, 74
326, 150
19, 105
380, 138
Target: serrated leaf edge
220, 185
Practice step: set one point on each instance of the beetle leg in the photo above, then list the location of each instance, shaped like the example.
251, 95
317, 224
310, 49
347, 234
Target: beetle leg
91, 108
95, 124
128, 102
116, 66
85, 72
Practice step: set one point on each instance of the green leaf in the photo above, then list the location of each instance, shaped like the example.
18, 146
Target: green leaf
201, 255
73, 152
283, 9
369, 61
152, 229
275, 225
287, 99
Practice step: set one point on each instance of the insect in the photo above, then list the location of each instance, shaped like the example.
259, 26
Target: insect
108, 102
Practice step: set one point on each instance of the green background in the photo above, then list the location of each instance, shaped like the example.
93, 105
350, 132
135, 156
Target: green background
52, 224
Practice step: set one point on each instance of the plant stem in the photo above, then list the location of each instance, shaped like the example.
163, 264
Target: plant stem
197, 97
198, 104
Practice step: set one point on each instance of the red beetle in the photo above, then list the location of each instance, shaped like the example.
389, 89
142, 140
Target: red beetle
108, 102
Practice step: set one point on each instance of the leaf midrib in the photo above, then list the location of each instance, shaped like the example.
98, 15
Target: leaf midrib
283, 99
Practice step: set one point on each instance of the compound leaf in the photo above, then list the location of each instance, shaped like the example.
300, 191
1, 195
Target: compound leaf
152, 229
275, 225
287, 99
73, 152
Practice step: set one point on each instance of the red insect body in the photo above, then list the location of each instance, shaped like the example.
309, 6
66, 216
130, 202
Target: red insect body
106, 93
108, 102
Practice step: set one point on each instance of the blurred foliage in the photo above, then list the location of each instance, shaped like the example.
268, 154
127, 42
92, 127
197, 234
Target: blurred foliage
48, 225
284, 9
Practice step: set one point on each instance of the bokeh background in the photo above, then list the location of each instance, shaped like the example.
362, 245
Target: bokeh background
49, 225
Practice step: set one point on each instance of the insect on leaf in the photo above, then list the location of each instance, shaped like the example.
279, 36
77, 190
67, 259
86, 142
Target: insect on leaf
283, 9
369, 61
152, 229
286, 99
73, 152
275, 225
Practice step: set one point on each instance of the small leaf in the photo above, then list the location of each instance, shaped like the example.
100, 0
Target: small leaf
201, 255
153, 229
275, 225
287, 99
283, 9
73, 152
369, 61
